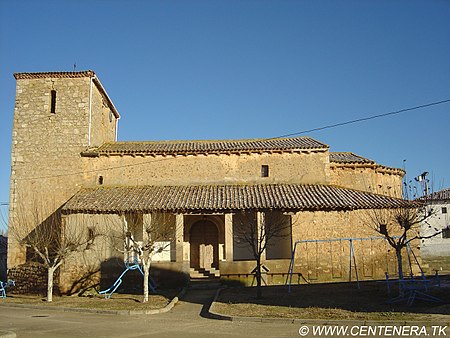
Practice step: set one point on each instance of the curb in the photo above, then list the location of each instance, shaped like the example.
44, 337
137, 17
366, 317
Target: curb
166, 308
217, 315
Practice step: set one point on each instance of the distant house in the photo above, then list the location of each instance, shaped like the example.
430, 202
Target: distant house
436, 250
65, 153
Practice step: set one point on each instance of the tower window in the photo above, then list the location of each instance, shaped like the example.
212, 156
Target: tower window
100, 180
444, 210
264, 171
53, 102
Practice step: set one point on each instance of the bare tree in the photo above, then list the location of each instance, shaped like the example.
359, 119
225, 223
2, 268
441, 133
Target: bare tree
49, 240
401, 226
141, 237
259, 231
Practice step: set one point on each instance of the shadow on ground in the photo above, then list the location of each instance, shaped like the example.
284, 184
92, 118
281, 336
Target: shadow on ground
370, 297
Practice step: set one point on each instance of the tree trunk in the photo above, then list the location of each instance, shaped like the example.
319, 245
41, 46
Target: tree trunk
398, 252
258, 278
146, 268
50, 272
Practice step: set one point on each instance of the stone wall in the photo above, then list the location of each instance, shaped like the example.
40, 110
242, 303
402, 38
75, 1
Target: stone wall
371, 178
210, 169
47, 168
31, 278
330, 260
103, 121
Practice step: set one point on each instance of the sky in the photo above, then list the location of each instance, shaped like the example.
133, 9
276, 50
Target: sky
180, 70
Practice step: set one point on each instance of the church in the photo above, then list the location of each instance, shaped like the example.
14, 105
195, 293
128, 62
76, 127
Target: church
65, 154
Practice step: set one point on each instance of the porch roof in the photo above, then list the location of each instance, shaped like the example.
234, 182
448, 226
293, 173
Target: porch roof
213, 198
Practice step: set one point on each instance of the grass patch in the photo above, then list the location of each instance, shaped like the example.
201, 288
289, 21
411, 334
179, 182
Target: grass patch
130, 302
331, 301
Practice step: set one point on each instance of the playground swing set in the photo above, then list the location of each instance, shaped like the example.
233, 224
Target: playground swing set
4, 286
411, 288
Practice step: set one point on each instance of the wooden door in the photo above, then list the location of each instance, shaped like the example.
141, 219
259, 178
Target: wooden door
204, 245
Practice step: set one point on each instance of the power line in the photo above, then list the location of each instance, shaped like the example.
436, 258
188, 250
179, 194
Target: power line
365, 118
271, 138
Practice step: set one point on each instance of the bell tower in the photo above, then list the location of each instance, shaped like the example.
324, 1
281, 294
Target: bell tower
57, 115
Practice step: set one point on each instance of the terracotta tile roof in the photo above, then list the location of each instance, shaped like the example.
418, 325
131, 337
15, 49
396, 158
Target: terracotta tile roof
224, 197
204, 146
38, 75
347, 157
351, 159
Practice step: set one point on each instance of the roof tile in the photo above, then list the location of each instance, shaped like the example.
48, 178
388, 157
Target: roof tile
39, 75
225, 197
201, 146
347, 157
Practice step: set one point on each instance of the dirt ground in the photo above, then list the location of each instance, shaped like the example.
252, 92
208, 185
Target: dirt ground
335, 301
118, 301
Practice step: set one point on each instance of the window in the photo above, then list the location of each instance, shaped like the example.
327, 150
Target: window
446, 232
444, 210
100, 180
53, 102
110, 116
90, 235
264, 171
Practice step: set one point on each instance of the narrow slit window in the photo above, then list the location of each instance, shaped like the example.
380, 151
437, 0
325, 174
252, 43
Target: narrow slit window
264, 171
53, 102
90, 235
100, 180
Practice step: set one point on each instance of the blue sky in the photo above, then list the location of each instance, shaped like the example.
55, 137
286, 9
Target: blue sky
249, 69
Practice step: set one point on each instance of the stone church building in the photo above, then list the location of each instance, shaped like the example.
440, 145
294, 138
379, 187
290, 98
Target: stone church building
66, 156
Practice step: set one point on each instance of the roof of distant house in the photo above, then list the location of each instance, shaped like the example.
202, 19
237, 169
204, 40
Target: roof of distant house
154, 148
192, 198
442, 195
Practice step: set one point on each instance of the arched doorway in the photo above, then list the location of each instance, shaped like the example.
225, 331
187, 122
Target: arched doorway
204, 243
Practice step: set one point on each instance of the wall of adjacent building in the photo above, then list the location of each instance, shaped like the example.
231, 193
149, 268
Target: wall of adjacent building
435, 250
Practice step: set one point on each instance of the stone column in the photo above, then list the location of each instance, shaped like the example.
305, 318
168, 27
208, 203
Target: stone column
229, 237
179, 236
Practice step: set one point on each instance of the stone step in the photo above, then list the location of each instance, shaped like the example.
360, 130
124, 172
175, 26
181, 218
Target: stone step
204, 273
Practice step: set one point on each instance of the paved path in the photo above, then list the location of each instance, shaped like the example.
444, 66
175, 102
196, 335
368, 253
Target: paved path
189, 318
186, 319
